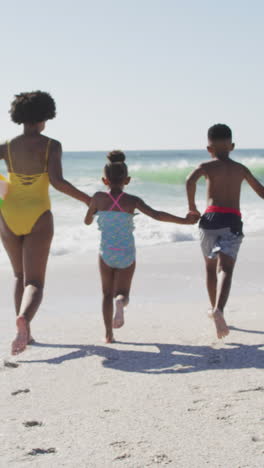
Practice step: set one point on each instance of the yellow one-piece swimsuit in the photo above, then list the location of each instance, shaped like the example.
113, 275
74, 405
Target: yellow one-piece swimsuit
27, 198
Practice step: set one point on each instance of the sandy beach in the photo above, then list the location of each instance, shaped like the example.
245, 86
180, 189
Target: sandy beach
166, 393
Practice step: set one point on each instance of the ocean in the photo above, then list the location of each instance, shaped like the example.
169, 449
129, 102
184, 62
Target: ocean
156, 176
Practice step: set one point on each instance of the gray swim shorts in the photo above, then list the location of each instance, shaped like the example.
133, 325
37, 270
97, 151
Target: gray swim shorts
214, 241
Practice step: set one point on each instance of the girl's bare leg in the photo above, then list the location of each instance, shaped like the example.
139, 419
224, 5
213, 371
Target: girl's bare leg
107, 278
122, 285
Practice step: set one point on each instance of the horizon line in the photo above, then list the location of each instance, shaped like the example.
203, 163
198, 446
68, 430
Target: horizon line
160, 149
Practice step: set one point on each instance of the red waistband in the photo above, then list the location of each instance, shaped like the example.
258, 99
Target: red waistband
222, 209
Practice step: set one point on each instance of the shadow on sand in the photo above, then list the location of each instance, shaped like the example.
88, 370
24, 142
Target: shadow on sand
164, 359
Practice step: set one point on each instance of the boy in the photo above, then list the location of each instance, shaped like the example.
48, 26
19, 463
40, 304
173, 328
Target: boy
220, 226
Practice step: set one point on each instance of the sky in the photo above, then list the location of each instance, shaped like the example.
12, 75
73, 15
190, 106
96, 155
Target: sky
137, 74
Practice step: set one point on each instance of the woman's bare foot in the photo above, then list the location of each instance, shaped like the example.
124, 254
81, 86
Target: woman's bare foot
222, 329
20, 342
118, 320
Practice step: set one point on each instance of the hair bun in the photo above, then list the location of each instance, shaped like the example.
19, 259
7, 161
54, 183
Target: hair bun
116, 156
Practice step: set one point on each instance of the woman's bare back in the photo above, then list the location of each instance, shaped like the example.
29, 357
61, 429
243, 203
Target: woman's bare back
28, 154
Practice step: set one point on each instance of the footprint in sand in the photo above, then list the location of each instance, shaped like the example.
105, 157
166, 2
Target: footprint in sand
32, 423
122, 457
39, 451
100, 383
256, 389
26, 390
119, 444
10, 364
223, 418
161, 458
113, 411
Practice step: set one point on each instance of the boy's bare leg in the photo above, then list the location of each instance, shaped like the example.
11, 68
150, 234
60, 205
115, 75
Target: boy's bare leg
123, 279
107, 278
225, 267
211, 278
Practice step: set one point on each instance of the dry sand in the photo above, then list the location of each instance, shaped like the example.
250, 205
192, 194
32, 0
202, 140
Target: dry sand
167, 393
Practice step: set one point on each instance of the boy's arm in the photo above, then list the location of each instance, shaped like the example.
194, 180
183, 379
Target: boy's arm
254, 183
163, 216
191, 187
91, 211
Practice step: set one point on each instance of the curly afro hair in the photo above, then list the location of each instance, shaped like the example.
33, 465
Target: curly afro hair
33, 107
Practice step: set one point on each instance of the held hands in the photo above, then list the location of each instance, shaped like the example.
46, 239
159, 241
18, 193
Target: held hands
87, 199
192, 217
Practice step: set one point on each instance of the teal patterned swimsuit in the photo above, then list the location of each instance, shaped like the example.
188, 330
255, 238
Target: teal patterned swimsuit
117, 247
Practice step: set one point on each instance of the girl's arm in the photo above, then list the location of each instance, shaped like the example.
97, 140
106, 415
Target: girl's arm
91, 211
56, 175
163, 216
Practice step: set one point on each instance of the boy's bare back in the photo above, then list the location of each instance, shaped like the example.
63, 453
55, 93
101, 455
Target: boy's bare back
224, 179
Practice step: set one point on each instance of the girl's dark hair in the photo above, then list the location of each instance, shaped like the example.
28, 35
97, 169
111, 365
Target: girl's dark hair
116, 169
33, 107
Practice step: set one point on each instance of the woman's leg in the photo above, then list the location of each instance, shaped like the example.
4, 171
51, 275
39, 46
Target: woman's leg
14, 246
107, 278
36, 247
122, 285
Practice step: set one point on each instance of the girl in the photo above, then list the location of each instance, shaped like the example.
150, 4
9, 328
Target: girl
26, 224
115, 210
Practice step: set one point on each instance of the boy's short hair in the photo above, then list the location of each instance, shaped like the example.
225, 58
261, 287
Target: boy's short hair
219, 132
32, 107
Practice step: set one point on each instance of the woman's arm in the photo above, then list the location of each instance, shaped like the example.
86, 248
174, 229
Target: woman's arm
2, 151
163, 216
56, 175
91, 211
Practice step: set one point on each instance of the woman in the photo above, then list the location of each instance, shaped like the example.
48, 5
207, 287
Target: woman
26, 223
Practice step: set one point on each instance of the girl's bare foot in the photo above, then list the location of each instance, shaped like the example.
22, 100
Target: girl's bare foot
20, 342
222, 329
118, 320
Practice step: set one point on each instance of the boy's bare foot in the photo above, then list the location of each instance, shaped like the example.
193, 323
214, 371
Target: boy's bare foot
109, 339
20, 342
222, 329
118, 320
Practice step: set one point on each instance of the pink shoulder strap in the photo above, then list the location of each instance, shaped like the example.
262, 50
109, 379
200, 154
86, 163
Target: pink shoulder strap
115, 201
